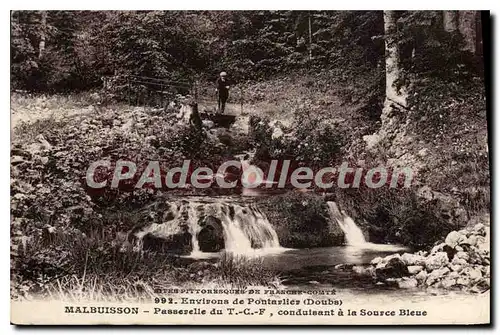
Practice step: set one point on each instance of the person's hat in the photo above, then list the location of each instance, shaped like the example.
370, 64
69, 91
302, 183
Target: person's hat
223, 74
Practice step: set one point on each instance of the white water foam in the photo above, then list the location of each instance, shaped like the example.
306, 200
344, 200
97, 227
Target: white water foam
354, 235
246, 229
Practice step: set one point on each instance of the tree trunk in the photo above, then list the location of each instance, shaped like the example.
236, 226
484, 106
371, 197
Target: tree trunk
310, 38
450, 20
43, 32
467, 27
392, 61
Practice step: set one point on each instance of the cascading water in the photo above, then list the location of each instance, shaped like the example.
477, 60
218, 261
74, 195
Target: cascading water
353, 234
244, 227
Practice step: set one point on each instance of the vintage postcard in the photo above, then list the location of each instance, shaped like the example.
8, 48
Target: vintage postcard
249, 167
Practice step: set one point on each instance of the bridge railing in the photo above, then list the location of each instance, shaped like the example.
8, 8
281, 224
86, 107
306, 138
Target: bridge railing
158, 92
145, 91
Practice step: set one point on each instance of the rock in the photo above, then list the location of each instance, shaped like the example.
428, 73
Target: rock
483, 244
454, 238
208, 124
456, 267
462, 255
422, 253
463, 281
414, 269
385, 260
395, 268
45, 144
453, 275
479, 229
448, 282
178, 241
376, 260
392, 281
437, 248
476, 256
436, 275
407, 283
277, 133
363, 270
436, 261
15, 160
471, 240
421, 276
483, 285
423, 152
343, 267
475, 275
371, 141
390, 257
211, 236
413, 259
425, 193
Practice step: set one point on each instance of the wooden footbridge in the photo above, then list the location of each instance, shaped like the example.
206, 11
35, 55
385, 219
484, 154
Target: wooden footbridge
160, 92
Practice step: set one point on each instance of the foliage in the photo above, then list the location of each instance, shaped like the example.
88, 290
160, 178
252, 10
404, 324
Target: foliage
306, 141
393, 215
185, 45
301, 221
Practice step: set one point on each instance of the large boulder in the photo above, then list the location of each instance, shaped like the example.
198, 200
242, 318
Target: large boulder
437, 248
413, 259
455, 238
394, 268
436, 276
407, 283
436, 261
180, 243
414, 269
447, 282
421, 276
364, 270
211, 236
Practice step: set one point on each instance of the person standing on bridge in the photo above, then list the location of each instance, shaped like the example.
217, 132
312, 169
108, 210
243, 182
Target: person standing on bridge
222, 91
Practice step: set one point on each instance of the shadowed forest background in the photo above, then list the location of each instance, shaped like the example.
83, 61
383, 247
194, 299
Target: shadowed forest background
394, 88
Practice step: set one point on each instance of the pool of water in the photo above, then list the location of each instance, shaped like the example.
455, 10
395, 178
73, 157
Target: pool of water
292, 259
285, 259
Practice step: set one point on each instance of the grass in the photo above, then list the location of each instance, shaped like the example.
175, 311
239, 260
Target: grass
241, 271
76, 268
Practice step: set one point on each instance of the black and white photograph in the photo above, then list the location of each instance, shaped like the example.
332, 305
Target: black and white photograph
257, 167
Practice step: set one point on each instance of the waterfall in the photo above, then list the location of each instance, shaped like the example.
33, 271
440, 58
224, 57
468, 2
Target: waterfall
244, 227
353, 234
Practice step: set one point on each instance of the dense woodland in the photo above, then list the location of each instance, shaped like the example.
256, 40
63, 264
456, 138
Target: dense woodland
72, 50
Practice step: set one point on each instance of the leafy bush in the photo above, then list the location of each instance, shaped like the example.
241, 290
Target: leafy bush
301, 221
305, 141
